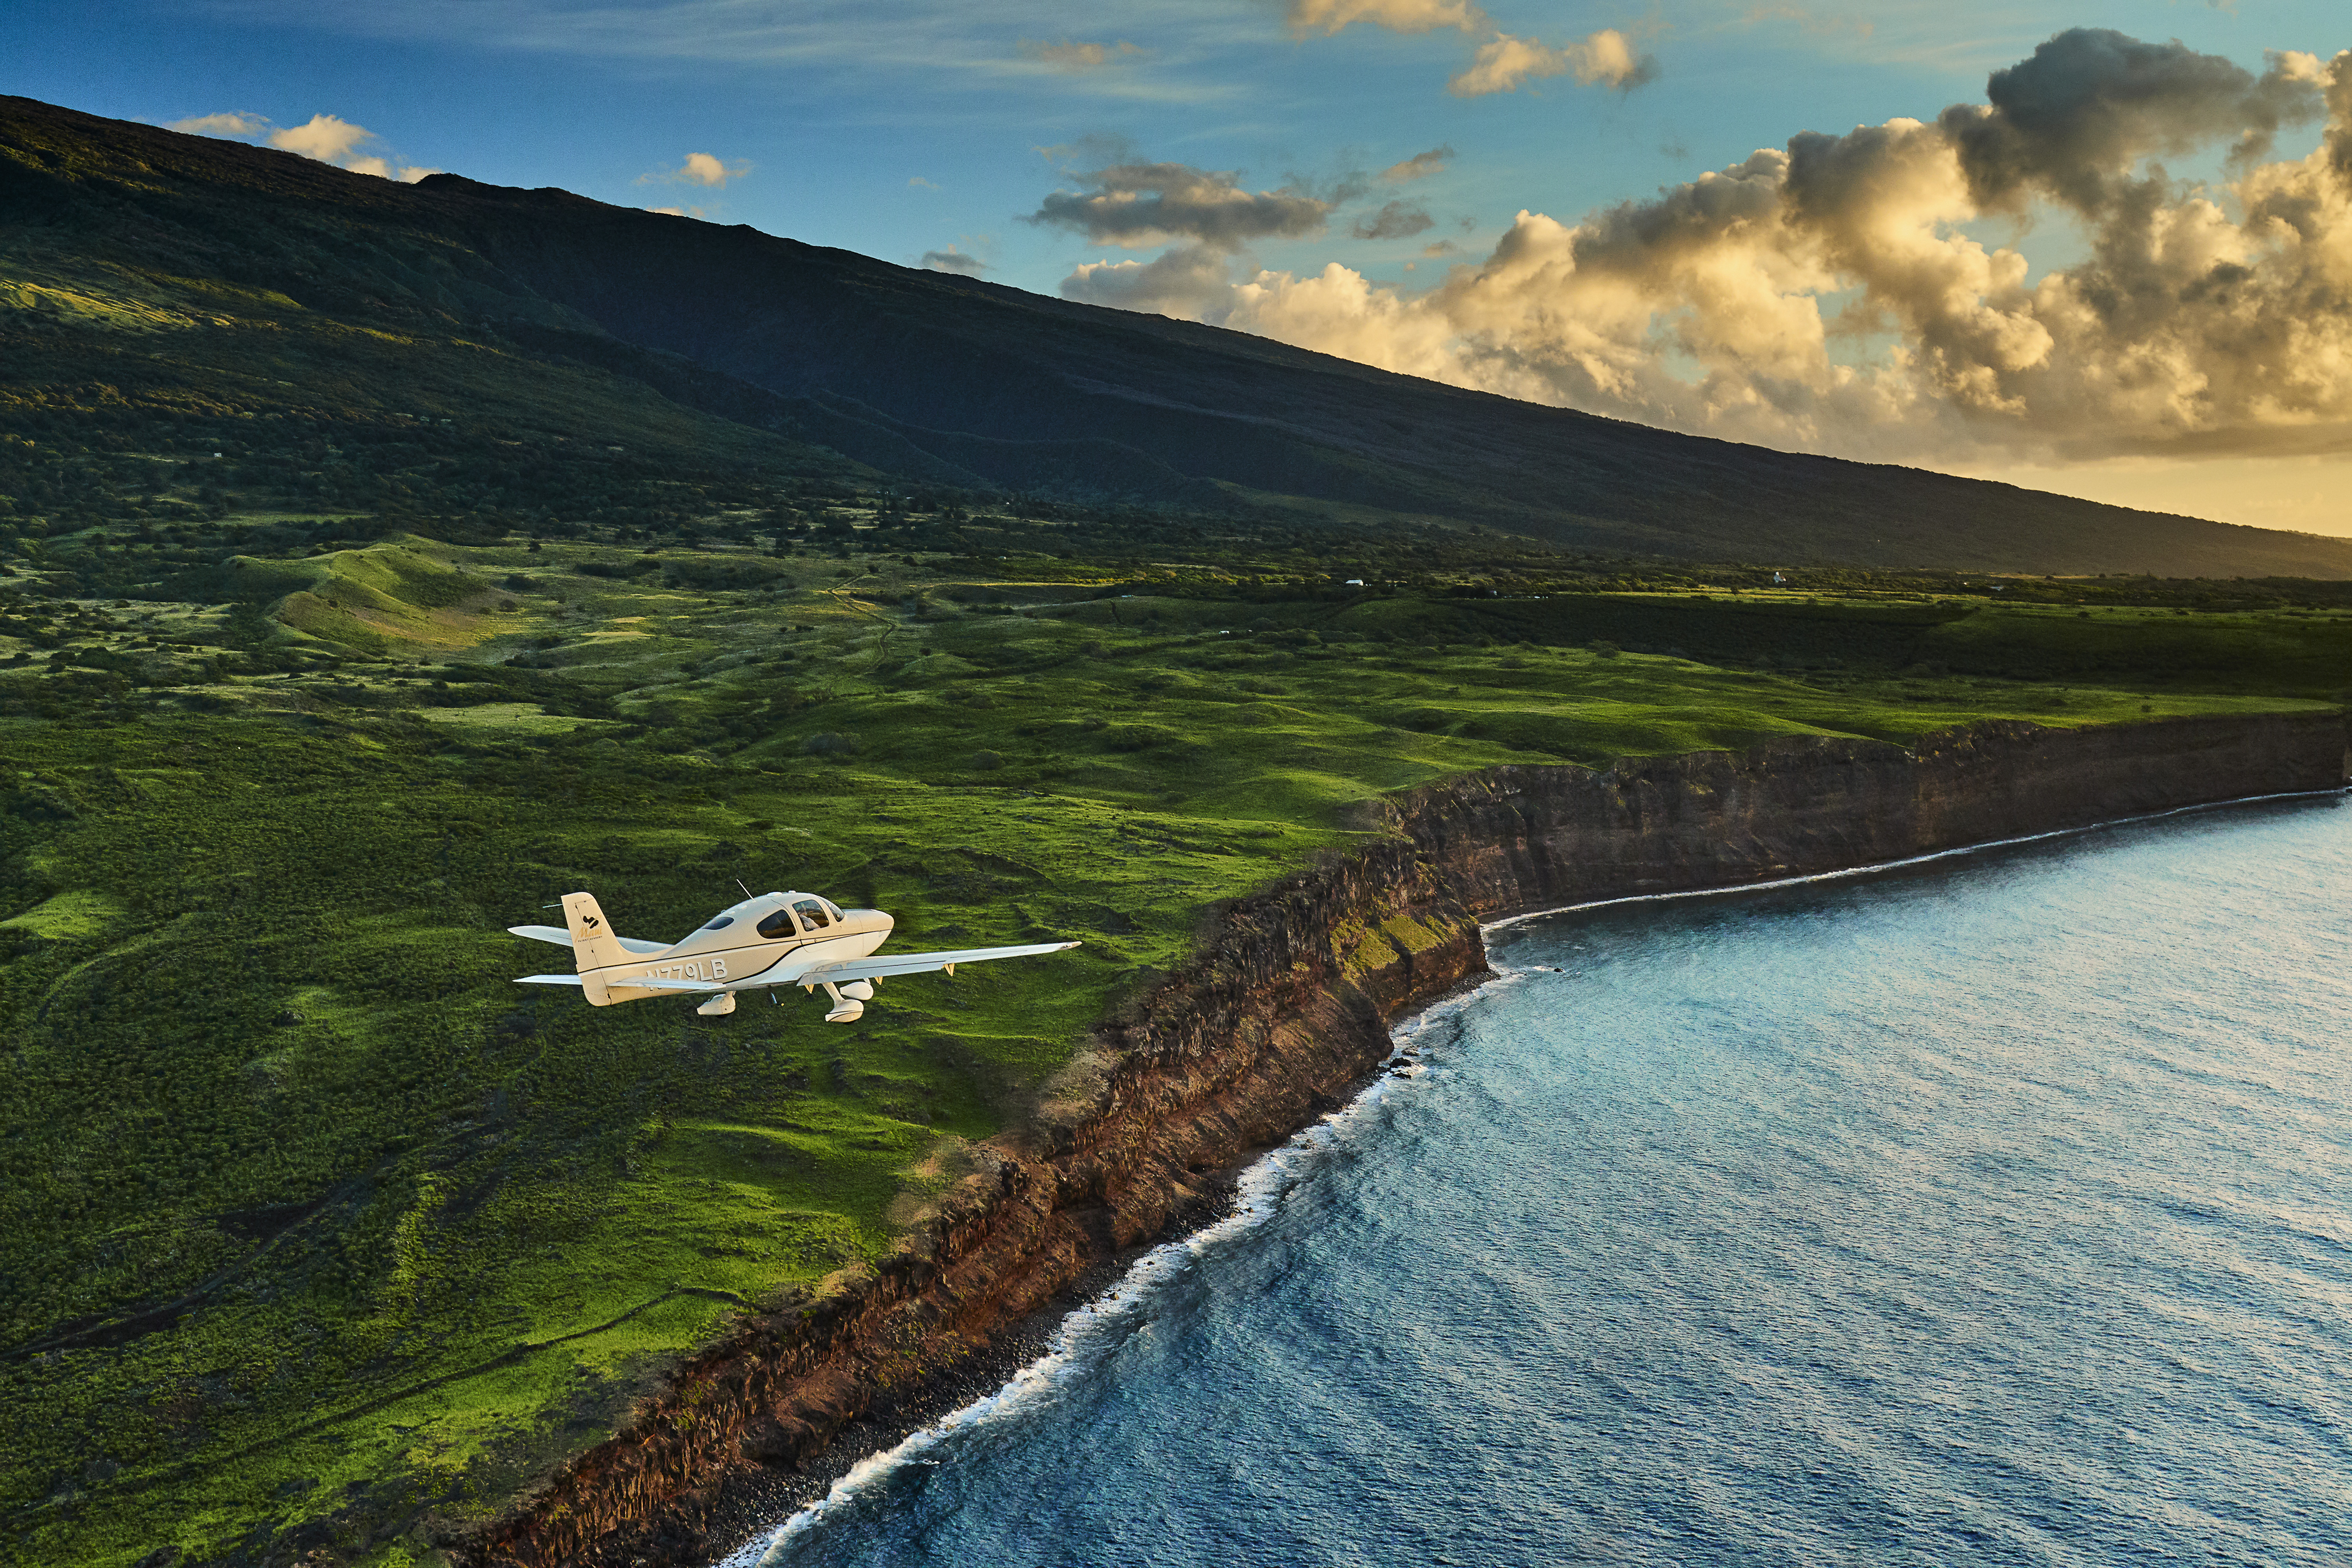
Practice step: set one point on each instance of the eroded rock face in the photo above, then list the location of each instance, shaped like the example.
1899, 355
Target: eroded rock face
1284, 1005
1516, 838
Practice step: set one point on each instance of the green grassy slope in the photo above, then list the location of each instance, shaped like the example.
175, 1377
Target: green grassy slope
315, 1229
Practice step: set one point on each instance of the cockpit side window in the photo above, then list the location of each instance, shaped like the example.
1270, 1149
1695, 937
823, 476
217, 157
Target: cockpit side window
812, 911
778, 926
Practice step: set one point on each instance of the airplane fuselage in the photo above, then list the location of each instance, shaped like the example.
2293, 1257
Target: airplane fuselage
737, 948
738, 965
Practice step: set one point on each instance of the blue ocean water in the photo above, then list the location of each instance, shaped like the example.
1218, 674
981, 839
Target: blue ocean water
1997, 1210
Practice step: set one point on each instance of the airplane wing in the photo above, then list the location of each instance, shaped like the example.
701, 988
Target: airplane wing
888, 964
837, 970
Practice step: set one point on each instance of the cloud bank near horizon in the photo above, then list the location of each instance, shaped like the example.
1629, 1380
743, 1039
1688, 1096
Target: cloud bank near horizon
325, 137
1827, 295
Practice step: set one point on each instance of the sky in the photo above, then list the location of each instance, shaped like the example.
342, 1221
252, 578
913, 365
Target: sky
2103, 248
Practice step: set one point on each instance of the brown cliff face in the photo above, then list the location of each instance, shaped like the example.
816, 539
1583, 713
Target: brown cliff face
1286, 1004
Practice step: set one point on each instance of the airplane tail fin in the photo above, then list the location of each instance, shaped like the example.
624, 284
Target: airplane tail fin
594, 945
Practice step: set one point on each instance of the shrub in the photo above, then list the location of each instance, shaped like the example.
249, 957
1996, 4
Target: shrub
832, 743
984, 761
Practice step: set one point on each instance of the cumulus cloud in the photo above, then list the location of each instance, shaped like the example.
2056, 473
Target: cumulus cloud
1607, 57
2074, 119
953, 260
1503, 63
1397, 220
325, 137
1397, 16
1421, 166
699, 169
233, 126
1136, 205
1187, 280
1071, 54
1829, 294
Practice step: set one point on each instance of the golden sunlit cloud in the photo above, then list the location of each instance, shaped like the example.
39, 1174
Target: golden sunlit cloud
1397, 16
1606, 58
325, 137
699, 169
1829, 295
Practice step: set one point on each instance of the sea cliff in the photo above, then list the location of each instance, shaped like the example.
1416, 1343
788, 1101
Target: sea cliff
1284, 1004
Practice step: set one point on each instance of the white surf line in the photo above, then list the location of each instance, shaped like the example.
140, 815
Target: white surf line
1871, 869
1093, 1330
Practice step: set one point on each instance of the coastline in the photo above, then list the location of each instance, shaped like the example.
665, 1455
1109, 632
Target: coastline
1281, 1015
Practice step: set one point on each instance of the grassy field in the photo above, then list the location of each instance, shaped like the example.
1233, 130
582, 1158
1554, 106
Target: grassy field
315, 1230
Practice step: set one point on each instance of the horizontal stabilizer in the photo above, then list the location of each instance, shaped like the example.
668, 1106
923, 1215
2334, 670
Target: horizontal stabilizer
548, 980
563, 938
890, 964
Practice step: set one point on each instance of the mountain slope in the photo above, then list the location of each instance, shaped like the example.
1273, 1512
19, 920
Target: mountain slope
950, 380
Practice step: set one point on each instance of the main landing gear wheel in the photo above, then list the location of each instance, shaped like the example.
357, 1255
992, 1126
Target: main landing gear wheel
846, 1010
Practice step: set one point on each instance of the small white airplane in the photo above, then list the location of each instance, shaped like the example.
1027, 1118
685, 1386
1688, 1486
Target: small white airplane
770, 940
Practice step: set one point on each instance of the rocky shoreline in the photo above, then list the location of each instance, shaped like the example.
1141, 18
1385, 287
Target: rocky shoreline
1283, 1009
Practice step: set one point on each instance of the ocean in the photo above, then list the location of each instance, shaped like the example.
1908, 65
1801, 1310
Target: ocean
1996, 1209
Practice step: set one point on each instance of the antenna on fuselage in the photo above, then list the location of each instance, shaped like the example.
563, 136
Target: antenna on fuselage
738, 883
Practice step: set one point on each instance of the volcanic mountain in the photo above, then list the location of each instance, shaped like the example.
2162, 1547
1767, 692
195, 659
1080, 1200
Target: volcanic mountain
118, 242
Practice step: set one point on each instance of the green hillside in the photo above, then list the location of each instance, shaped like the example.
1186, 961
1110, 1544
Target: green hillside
152, 259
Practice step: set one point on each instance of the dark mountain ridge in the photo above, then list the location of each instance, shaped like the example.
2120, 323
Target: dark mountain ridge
951, 380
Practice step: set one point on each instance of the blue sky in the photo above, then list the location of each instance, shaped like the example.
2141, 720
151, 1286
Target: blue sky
898, 130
